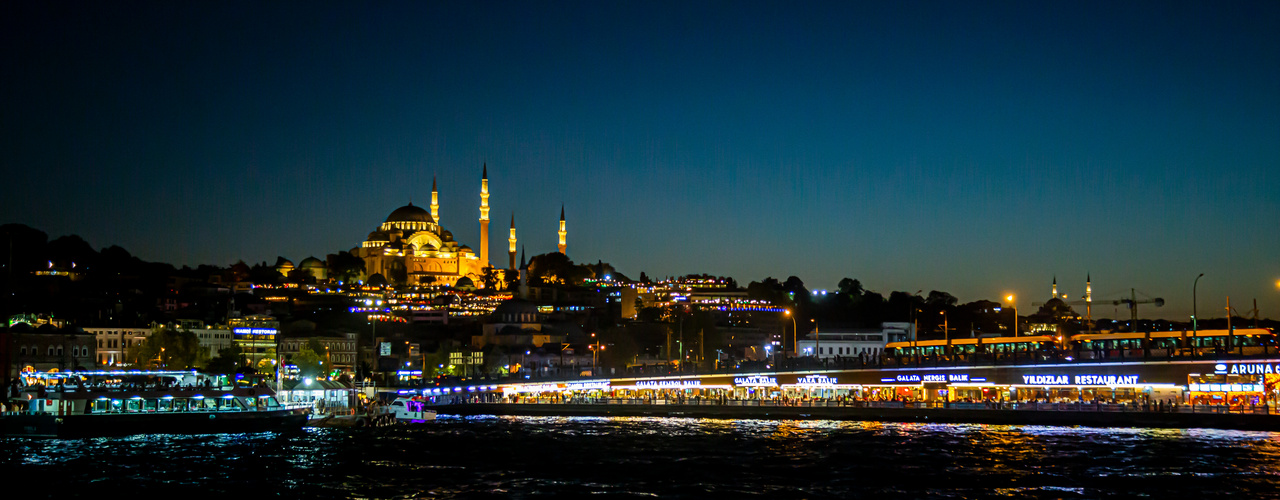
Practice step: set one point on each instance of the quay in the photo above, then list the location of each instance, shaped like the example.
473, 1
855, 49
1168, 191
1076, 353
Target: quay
1054, 414
1208, 391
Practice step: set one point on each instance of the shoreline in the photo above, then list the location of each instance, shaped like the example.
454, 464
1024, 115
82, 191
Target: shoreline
1173, 420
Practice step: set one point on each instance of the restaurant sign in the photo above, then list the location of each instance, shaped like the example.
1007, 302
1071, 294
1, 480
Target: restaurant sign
1079, 379
755, 381
669, 384
1247, 368
816, 380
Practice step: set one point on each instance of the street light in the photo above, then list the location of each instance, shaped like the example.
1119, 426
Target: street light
1013, 304
946, 331
817, 339
795, 341
1194, 324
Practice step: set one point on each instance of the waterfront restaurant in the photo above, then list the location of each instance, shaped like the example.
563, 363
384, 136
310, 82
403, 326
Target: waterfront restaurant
1235, 382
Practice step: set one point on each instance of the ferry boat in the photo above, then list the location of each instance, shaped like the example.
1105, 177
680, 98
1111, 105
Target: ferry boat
411, 410
94, 404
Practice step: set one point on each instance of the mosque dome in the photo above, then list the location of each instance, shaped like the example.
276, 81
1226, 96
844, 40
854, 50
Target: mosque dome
465, 249
446, 235
516, 311
465, 282
410, 213
311, 263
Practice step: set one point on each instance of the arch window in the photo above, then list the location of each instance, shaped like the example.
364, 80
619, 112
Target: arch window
59, 350
22, 351
75, 351
50, 351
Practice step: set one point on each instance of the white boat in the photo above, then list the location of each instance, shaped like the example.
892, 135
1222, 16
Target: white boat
408, 410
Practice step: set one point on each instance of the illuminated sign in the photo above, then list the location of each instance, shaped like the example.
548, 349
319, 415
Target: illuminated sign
1105, 379
1044, 379
907, 378
934, 377
669, 384
586, 386
816, 380
384, 349
254, 331
1247, 368
755, 381
538, 388
1080, 379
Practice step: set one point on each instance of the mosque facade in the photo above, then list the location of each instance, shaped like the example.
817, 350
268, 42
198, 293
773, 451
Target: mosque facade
411, 246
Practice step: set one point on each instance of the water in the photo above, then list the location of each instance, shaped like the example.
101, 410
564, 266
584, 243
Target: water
532, 457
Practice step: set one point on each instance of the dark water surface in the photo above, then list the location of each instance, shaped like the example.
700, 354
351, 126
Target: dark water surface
537, 457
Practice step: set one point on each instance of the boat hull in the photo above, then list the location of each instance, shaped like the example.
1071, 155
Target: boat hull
99, 425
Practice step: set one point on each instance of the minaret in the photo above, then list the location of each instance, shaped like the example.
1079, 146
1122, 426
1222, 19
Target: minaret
1055, 287
511, 244
435, 201
524, 276
562, 232
484, 216
1088, 300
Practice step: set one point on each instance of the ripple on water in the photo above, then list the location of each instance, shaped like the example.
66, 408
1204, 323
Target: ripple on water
630, 457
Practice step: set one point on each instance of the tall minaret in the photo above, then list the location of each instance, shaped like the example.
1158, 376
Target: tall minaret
524, 277
435, 201
484, 216
511, 244
562, 245
1055, 287
1088, 299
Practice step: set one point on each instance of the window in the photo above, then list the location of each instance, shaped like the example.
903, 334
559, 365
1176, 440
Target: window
50, 351
75, 351
22, 351
59, 351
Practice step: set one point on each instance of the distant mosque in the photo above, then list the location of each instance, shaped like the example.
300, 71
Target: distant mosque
411, 246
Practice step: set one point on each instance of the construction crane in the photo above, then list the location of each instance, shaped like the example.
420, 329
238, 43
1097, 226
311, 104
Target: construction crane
1132, 303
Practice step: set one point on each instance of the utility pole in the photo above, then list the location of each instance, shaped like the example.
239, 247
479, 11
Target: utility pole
681, 341
1231, 338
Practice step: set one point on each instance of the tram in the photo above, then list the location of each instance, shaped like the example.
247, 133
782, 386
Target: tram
1161, 344
974, 349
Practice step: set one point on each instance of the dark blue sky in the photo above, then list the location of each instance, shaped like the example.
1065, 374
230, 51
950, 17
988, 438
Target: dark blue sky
977, 149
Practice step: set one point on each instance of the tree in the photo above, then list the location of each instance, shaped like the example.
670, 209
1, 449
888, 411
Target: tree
267, 365
345, 267
311, 360
490, 278
940, 300
227, 361
167, 349
851, 287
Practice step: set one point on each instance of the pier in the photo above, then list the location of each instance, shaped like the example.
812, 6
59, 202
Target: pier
1258, 418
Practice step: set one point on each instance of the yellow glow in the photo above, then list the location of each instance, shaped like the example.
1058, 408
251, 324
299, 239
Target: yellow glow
1009, 298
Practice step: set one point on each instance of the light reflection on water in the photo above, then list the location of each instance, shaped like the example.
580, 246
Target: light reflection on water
526, 457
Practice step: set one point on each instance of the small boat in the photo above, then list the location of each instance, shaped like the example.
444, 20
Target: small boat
411, 410
76, 407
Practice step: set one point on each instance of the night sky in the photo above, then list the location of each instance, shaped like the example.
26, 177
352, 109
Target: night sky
974, 147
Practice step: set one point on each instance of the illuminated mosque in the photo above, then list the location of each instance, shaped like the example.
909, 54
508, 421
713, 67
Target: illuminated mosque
412, 246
